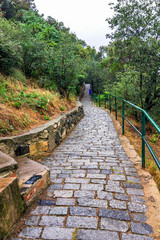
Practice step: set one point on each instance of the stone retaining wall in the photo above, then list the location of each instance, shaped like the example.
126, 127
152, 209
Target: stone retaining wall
43, 139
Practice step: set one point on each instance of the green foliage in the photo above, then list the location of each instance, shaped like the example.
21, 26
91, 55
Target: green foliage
41, 49
32, 99
46, 117
48, 83
34, 24
10, 50
12, 8
68, 66
124, 87
42, 102
17, 104
75, 233
18, 75
5, 127
97, 76
35, 60
102, 97
81, 79
155, 138
3, 89
62, 108
133, 56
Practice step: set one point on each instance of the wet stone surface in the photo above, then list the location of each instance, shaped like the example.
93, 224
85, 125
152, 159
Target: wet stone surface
44, 202
141, 228
95, 191
139, 218
114, 214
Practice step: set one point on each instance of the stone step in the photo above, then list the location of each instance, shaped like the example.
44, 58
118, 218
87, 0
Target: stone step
22, 180
33, 178
8, 166
11, 205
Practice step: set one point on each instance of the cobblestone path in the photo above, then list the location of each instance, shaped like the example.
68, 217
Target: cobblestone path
95, 191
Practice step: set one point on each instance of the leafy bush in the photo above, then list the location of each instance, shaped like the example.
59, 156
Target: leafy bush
10, 49
8, 55
55, 58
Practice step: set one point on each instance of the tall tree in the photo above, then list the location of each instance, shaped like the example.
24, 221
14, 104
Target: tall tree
136, 36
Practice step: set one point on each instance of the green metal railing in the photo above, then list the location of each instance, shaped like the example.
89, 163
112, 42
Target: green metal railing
112, 101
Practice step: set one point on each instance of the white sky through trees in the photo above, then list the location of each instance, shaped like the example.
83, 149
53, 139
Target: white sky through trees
86, 18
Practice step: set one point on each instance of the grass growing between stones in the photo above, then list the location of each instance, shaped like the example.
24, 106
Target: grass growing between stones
75, 234
24, 105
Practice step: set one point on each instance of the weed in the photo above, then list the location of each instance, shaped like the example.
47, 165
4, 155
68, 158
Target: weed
5, 127
27, 117
152, 166
62, 108
155, 138
46, 117
11, 127
74, 236
3, 89
3, 130
17, 104
42, 102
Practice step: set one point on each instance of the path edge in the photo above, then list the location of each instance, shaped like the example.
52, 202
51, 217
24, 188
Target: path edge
149, 185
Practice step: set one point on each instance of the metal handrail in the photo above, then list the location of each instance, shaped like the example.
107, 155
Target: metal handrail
145, 115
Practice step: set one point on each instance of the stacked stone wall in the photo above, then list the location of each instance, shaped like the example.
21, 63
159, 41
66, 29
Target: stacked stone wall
43, 139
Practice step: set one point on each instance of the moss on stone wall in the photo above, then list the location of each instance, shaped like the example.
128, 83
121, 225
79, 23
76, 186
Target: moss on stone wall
11, 205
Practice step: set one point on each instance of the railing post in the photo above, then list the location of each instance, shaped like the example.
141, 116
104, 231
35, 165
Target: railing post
110, 103
99, 100
105, 101
123, 115
143, 141
116, 108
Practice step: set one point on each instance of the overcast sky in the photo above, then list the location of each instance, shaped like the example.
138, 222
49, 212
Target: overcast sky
86, 18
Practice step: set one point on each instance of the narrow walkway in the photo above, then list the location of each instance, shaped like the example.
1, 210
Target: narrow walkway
95, 191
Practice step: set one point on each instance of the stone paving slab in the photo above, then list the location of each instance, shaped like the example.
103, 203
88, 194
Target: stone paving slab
57, 233
96, 235
95, 188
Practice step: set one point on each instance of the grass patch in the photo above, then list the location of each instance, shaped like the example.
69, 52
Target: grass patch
24, 105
